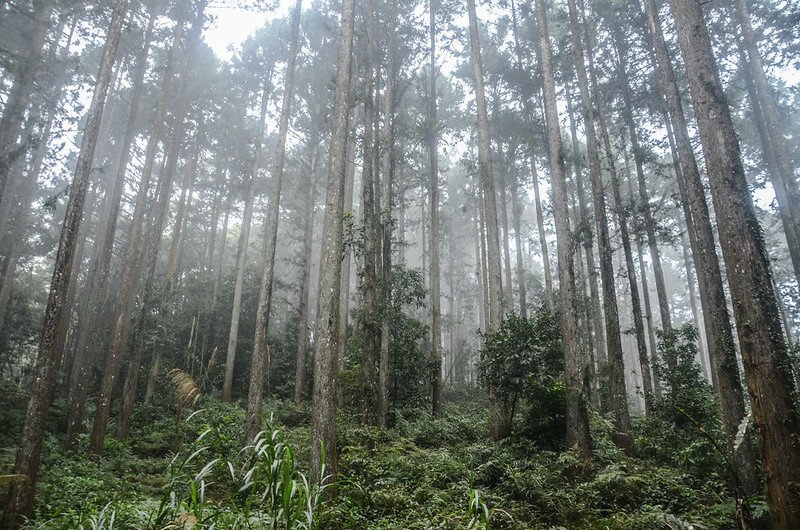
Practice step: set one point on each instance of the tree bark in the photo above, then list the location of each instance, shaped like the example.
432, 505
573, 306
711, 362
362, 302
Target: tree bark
616, 368
323, 424
433, 154
244, 242
259, 365
21, 494
719, 331
578, 436
763, 346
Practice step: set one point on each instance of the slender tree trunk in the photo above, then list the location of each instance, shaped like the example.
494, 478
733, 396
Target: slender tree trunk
638, 160
586, 235
516, 212
21, 90
616, 367
305, 275
323, 424
125, 302
499, 421
528, 116
578, 436
370, 324
622, 221
387, 216
763, 345
433, 142
21, 493
259, 365
244, 242
184, 203
783, 180
719, 331
344, 285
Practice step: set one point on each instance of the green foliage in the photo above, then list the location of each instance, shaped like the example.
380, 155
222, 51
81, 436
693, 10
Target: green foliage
523, 360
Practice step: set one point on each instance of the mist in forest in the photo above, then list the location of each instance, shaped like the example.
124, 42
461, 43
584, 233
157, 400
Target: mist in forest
398, 264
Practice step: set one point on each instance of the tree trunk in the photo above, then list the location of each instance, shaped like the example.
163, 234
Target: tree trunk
616, 368
305, 275
125, 302
20, 94
586, 236
578, 436
783, 180
763, 346
21, 494
433, 142
622, 221
244, 242
719, 332
370, 323
387, 219
326, 366
499, 422
638, 160
259, 366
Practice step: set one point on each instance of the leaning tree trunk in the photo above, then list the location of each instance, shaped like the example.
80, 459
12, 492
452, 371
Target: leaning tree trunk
719, 332
259, 365
125, 302
616, 368
21, 494
578, 436
20, 94
763, 345
326, 366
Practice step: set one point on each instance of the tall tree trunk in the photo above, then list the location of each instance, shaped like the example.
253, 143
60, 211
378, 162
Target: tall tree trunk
578, 436
21, 493
370, 323
616, 368
259, 365
633, 285
763, 346
527, 110
244, 242
597, 328
638, 160
433, 153
305, 275
101, 268
719, 331
21, 90
125, 302
326, 366
499, 422
184, 204
516, 213
783, 180
387, 216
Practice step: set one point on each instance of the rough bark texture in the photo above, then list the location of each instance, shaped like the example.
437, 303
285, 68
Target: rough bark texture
387, 215
433, 140
763, 345
21, 493
499, 424
259, 365
578, 436
323, 424
719, 333
616, 368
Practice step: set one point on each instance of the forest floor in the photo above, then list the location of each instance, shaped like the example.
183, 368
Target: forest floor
422, 473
